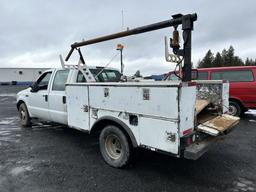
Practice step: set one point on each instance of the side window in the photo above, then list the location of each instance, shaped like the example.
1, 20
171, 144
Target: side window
80, 77
216, 76
238, 76
202, 76
59, 80
234, 76
44, 80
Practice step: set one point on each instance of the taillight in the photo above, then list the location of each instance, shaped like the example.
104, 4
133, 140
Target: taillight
186, 132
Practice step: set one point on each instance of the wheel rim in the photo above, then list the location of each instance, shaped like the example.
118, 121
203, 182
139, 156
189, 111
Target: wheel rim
113, 146
22, 114
232, 110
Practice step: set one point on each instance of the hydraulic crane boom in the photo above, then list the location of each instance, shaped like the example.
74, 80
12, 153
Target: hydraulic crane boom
187, 26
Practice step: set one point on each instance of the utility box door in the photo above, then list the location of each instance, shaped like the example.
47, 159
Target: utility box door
159, 134
78, 107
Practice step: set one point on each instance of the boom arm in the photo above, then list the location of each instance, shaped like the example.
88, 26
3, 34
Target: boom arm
187, 26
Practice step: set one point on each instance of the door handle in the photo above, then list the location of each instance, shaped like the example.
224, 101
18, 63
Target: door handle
64, 99
45, 98
85, 108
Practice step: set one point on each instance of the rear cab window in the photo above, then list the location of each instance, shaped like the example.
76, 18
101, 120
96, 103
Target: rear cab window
106, 75
101, 75
233, 76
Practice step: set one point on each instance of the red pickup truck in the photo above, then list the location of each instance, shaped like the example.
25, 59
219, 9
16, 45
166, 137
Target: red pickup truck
242, 79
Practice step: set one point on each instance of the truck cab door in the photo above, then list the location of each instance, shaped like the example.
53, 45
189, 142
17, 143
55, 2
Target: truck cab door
38, 98
57, 97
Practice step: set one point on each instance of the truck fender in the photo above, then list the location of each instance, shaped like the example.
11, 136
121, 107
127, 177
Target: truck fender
23, 101
103, 121
236, 99
19, 103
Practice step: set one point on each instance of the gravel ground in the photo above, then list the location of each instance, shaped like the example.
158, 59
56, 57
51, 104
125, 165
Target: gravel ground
50, 157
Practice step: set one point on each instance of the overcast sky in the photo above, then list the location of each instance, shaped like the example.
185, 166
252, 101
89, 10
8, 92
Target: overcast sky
33, 33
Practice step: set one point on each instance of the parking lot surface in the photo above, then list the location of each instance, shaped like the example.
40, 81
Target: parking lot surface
50, 157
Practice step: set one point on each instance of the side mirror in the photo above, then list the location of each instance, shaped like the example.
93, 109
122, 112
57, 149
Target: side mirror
34, 87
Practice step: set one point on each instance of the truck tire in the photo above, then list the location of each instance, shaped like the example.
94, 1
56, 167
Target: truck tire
24, 115
235, 108
115, 147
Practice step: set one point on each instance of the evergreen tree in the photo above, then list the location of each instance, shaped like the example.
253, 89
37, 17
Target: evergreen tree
217, 62
198, 63
207, 61
247, 62
250, 62
224, 57
237, 61
230, 56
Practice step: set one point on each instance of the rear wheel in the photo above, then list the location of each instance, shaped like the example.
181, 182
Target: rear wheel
234, 108
115, 147
24, 116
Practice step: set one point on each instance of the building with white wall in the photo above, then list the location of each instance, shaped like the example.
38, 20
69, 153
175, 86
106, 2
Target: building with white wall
20, 75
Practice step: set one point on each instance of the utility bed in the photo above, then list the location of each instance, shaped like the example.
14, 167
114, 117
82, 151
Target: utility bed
160, 116
157, 114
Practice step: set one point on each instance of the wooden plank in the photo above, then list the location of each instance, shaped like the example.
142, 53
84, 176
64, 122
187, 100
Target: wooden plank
222, 123
208, 130
201, 104
203, 117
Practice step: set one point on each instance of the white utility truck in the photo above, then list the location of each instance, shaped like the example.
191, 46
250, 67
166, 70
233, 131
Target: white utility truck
180, 118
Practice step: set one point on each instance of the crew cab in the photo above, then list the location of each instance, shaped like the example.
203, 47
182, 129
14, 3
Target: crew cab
46, 98
177, 118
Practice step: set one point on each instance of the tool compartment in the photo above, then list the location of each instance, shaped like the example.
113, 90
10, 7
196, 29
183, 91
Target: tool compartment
212, 107
211, 118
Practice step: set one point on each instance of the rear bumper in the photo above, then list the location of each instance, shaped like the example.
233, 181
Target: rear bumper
196, 150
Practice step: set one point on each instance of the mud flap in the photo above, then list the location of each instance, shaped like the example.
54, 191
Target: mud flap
218, 125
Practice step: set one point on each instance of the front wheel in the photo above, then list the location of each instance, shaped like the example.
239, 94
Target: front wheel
115, 147
234, 108
24, 116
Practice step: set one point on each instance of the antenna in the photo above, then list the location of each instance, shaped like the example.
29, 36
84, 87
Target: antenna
120, 46
122, 19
